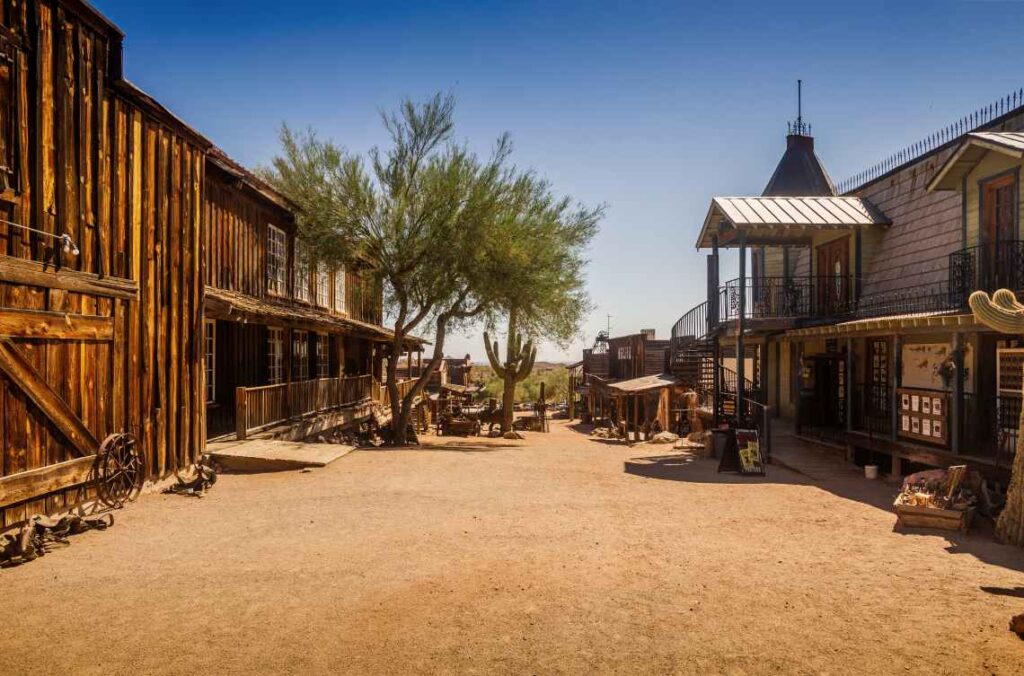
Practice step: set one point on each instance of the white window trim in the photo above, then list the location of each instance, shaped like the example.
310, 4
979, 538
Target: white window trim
210, 361
277, 275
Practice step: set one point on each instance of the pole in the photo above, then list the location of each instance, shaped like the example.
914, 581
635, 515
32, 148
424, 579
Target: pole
740, 327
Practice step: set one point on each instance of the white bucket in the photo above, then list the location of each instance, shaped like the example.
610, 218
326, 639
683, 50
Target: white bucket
870, 471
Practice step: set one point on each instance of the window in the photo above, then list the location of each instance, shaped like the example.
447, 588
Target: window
277, 260
301, 281
339, 289
300, 355
9, 140
323, 285
275, 356
323, 355
210, 359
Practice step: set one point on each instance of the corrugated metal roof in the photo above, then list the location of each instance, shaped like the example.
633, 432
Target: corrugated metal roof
771, 215
971, 150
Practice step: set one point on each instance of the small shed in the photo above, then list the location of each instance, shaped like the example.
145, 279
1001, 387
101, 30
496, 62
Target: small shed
640, 402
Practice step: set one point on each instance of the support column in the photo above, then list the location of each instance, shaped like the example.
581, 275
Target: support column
740, 327
897, 380
636, 417
956, 404
850, 391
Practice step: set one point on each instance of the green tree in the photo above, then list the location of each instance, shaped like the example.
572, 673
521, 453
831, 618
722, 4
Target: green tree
421, 215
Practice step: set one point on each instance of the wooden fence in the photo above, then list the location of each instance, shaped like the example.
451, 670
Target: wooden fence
382, 395
259, 407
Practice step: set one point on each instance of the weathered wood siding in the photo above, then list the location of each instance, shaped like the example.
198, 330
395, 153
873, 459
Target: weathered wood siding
96, 160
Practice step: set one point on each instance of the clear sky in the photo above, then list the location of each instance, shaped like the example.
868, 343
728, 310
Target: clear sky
650, 107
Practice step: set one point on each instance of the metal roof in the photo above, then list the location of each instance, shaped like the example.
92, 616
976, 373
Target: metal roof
782, 219
971, 150
644, 384
799, 172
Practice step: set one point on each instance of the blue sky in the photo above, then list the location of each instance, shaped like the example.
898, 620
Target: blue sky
651, 108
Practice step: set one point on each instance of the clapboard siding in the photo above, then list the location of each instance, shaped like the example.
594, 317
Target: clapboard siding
100, 161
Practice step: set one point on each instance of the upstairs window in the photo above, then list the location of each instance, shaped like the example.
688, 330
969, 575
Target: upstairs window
9, 150
277, 260
323, 286
275, 356
302, 277
339, 289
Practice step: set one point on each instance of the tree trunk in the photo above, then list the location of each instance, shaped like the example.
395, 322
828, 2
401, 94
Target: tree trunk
1010, 526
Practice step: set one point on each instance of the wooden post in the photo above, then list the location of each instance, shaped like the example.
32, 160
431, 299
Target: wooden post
849, 384
897, 379
636, 417
241, 412
956, 405
741, 359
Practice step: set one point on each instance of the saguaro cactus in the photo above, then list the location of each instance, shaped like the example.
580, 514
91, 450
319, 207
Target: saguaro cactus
1003, 313
519, 359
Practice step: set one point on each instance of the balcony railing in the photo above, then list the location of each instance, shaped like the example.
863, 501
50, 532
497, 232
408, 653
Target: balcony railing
996, 265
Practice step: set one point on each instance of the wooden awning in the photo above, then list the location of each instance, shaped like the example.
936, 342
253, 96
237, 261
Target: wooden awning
783, 220
970, 152
644, 384
918, 320
235, 306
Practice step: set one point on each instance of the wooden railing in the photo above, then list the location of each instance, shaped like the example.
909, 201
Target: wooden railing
382, 395
259, 407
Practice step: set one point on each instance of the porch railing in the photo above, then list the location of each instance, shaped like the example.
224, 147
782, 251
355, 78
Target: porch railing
383, 396
260, 407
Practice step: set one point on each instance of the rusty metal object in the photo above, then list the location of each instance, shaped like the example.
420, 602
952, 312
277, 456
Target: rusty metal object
120, 470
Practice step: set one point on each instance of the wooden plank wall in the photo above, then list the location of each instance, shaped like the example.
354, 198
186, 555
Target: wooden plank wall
95, 162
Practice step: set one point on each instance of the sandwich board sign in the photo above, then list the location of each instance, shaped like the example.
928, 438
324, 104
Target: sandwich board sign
743, 454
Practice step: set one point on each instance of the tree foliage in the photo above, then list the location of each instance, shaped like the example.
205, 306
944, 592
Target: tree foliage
444, 229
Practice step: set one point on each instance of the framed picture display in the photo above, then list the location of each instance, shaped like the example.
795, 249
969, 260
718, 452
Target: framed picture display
923, 415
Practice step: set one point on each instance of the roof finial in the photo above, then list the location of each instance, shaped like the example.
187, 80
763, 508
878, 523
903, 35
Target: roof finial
798, 128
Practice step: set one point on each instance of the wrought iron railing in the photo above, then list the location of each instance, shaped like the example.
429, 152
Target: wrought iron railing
996, 265
990, 427
694, 324
872, 409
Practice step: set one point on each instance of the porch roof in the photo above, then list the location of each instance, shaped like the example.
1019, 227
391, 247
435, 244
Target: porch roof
916, 320
232, 305
971, 150
644, 384
783, 220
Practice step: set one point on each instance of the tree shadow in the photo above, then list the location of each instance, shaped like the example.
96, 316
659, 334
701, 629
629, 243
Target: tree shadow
1015, 592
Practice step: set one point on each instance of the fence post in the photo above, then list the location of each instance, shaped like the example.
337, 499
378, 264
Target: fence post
241, 412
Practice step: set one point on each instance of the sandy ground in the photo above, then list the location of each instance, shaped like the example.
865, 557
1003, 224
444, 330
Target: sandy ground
490, 556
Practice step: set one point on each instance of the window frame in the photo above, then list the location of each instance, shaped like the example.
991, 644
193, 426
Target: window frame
210, 360
301, 272
275, 358
277, 261
323, 291
323, 355
339, 304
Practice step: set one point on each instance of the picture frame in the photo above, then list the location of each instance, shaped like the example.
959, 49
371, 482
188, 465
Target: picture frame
937, 406
926, 405
905, 423
926, 427
915, 402
915, 425
937, 429
905, 402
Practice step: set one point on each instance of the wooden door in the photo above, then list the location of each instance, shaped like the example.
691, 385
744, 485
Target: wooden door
834, 277
998, 231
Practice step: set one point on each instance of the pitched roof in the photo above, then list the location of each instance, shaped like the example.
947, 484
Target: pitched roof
644, 384
799, 172
786, 217
970, 152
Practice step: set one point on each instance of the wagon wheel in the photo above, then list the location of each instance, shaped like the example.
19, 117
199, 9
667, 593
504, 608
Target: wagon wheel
120, 470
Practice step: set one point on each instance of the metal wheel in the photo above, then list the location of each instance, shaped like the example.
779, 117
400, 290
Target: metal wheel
120, 470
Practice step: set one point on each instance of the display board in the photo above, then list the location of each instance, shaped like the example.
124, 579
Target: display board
923, 415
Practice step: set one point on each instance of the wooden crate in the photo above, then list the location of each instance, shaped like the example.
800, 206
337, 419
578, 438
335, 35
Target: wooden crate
909, 516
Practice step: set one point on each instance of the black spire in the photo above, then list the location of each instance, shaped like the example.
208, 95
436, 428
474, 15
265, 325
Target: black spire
799, 172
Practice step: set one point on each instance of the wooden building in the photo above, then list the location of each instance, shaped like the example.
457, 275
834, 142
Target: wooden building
849, 309
136, 287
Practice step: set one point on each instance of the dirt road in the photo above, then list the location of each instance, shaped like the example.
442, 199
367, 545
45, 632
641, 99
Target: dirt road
488, 556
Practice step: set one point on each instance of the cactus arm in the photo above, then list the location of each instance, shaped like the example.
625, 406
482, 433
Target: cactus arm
527, 366
995, 314
492, 356
1007, 300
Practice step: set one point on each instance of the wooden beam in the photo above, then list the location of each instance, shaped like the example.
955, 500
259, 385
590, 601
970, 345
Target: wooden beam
25, 377
33, 273
38, 482
15, 323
